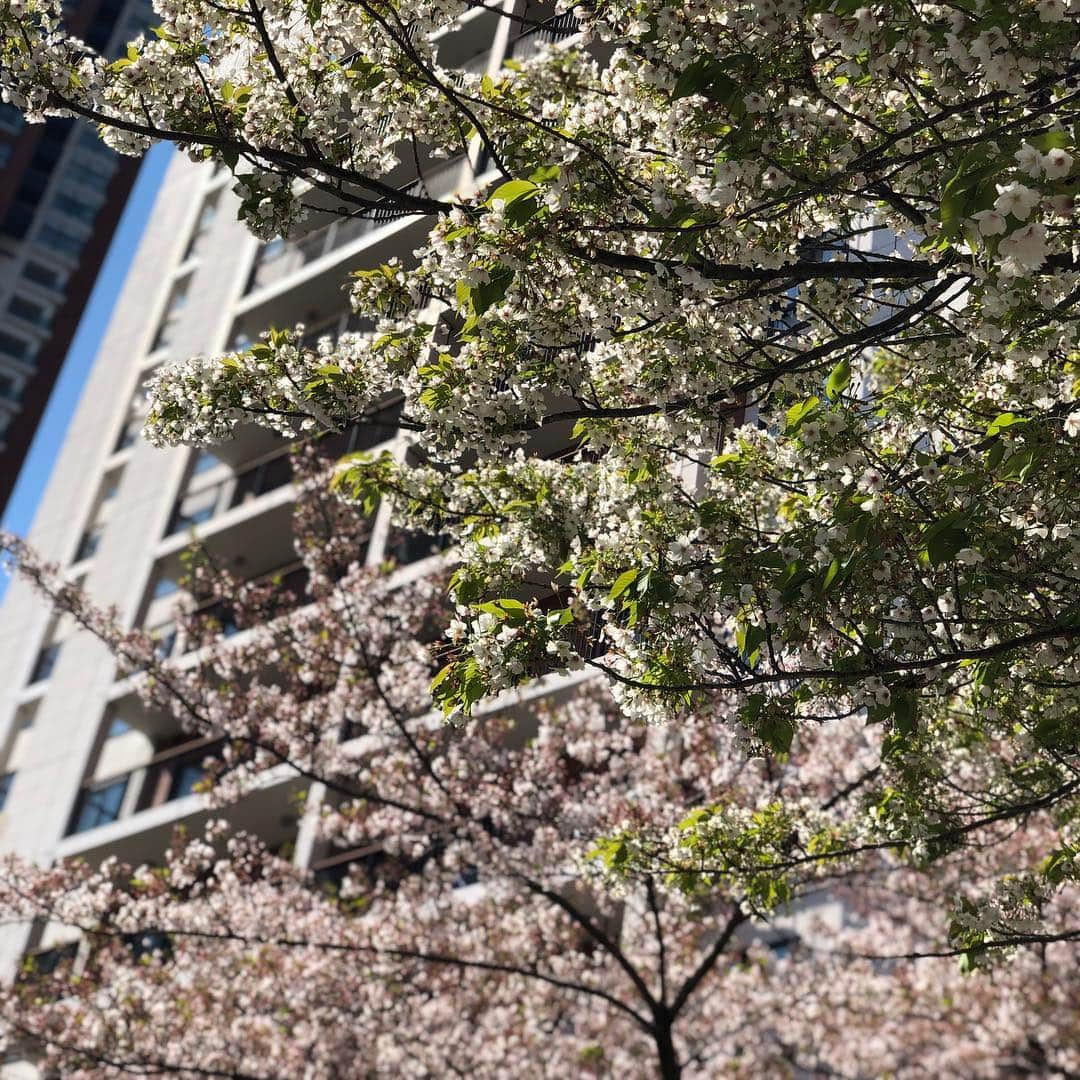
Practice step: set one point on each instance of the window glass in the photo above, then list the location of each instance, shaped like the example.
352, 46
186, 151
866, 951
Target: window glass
43, 275
88, 545
164, 586
15, 347
99, 806
75, 208
203, 461
57, 240
11, 119
29, 310
184, 780
46, 661
5, 787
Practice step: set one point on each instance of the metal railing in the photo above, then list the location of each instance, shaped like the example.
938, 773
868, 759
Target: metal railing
276, 260
533, 38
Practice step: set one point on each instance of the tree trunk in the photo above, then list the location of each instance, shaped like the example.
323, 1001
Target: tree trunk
668, 1060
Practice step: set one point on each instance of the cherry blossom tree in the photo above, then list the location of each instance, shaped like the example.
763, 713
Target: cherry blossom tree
550, 888
790, 283
748, 378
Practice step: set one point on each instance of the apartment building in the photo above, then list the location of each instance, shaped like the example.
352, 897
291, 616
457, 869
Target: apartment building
84, 771
61, 195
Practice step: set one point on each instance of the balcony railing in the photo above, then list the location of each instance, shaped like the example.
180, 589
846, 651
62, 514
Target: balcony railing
197, 507
278, 260
533, 38
291, 579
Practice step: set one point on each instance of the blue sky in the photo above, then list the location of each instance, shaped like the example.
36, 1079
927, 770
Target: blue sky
20, 509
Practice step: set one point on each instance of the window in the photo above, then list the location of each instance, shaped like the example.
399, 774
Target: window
11, 120
202, 226
164, 586
100, 805
203, 461
193, 510
128, 434
15, 347
45, 276
152, 943
119, 726
29, 311
90, 141
177, 300
49, 961
166, 642
5, 787
57, 240
7, 388
110, 487
184, 780
95, 174
88, 545
5, 154
46, 661
18, 219
74, 208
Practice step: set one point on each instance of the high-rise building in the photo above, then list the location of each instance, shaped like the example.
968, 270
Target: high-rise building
84, 771
61, 194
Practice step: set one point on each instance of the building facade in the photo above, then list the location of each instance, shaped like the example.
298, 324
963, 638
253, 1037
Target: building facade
84, 771
61, 195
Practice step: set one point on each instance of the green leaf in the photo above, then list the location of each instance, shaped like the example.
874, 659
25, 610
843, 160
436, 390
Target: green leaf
545, 174
492, 291
965, 193
1003, 421
1020, 465
623, 582
723, 459
748, 639
830, 575
512, 190
776, 731
706, 76
1051, 140
444, 673
799, 412
944, 545
838, 381
905, 710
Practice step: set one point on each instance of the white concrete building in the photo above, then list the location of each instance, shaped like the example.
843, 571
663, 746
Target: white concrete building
83, 770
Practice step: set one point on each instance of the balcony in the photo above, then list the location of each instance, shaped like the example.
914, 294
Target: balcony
196, 507
141, 833
279, 259
169, 775
380, 428
534, 38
